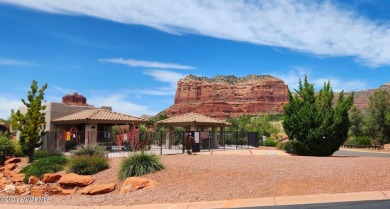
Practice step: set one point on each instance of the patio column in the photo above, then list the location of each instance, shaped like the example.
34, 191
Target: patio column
214, 140
222, 134
168, 137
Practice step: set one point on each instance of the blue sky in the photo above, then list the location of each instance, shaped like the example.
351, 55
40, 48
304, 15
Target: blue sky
130, 54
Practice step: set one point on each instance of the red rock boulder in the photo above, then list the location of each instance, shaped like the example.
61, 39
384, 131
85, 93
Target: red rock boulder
12, 160
18, 177
33, 180
73, 179
98, 189
136, 183
51, 177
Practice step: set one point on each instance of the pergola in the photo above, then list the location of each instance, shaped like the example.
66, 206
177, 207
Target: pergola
194, 122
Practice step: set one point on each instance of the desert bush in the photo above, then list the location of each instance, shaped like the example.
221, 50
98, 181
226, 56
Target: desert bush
87, 165
361, 140
44, 165
18, 149
139, 164
280, 145
7, 148
43, 153
90, 150
270, 142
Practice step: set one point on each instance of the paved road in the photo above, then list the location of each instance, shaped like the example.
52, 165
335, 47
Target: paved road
342, 205
344, 152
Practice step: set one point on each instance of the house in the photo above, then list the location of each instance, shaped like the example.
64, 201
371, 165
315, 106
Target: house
73, 122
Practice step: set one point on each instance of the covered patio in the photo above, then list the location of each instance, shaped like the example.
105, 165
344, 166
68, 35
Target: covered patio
91, 127
201, 127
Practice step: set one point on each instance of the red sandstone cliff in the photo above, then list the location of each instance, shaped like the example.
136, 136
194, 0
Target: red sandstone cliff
229, 96
75, 99
362, 98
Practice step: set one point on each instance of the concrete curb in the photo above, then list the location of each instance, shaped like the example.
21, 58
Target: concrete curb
234, 203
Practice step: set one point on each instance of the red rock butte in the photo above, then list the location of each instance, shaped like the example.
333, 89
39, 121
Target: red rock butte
74, 99
229, 96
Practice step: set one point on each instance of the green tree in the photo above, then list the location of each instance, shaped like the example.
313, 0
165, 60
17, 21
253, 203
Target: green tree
260, 124
30, 123
378, 123
357, 122
315, 125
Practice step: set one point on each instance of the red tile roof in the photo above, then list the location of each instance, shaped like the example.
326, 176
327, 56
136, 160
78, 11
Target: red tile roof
193, 119
100, 115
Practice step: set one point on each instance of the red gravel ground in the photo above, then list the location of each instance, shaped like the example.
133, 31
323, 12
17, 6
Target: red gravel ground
217, 177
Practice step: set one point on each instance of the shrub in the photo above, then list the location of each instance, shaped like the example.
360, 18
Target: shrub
89, 150
289, 147
6, 148
43, 153
87, 165
44, 165
318, 124
139, 164
279, 145
362, 140
270, 142
18, 149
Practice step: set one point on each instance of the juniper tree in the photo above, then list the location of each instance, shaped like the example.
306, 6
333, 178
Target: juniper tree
357, 120
30, 123
316, 126
378, 121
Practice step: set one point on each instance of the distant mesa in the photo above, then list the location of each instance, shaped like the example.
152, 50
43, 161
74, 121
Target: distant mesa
75, 99
229, 96
362, 98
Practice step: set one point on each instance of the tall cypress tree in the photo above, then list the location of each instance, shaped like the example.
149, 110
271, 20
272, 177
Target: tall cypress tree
30, 123
315, 125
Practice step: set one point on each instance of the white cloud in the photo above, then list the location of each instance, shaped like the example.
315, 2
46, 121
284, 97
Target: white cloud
120, 103
339, 85
148, 64
291, 78
165, 76
14, 62
316, 27
8, 103
64, 90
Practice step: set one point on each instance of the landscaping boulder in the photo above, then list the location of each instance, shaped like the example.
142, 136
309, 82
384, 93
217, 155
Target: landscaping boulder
22, 189
9, 189
7, 173
68, 191
3, 182
73, 179
37, 191
57, 190
12, 160
10, 166
33, 180
98, 189
135, 183
18, 177
54, 190
51, 177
